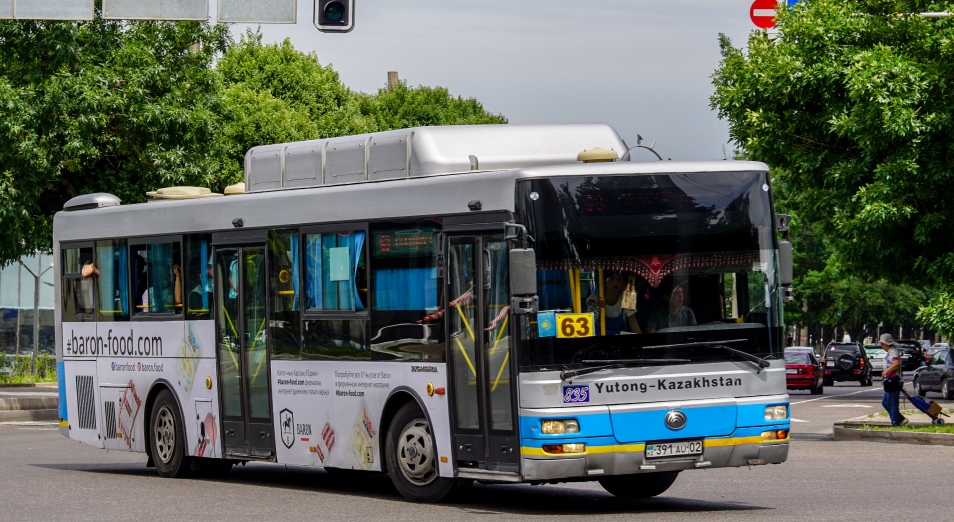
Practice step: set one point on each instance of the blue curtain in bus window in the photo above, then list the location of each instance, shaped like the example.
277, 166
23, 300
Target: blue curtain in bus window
554, 290
357, 242
405, 289
204, 278
113, 280
161, 298
322, 260
294, 266
313, 290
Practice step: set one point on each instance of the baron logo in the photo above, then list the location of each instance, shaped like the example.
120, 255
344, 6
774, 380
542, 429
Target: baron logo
287, 418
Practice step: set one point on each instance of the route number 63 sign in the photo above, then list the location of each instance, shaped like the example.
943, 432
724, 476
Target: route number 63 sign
574, 325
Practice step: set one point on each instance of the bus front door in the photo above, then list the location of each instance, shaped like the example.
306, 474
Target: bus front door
479, 348
241, 352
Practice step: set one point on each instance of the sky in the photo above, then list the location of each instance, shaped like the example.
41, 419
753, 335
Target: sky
641, 66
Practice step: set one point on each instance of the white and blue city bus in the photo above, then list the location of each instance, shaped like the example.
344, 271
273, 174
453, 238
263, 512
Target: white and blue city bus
445, 304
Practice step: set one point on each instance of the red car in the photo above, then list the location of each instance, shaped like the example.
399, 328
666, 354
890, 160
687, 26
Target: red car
803, 372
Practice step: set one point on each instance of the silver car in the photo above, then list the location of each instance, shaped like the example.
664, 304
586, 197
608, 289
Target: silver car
876, 355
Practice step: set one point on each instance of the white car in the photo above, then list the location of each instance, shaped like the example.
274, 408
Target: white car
876, 355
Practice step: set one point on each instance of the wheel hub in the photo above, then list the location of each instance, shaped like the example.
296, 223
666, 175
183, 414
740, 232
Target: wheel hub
416, 453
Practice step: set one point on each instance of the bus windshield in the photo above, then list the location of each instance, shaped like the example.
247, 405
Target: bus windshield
665, 269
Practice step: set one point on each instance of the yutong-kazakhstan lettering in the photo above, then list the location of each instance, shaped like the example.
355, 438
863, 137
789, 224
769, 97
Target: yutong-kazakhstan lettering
142, 346
668, 384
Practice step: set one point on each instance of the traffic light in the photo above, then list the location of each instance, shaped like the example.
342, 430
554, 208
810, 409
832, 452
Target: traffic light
334, 16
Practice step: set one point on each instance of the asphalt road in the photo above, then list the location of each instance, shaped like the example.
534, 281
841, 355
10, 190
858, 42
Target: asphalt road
44, 476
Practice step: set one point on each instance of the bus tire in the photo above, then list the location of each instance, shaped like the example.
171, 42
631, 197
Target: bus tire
640, 485
167, 437
412, 457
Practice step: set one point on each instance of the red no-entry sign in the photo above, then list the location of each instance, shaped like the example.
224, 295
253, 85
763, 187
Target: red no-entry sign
763, 13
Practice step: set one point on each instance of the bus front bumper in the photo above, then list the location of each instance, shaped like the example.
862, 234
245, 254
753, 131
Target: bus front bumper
615, 459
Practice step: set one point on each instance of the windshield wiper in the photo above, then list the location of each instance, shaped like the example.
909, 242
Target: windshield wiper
761, 363
616, 363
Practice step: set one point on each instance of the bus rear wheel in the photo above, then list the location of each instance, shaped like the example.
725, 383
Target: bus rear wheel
412, 457
167, 437
639, 486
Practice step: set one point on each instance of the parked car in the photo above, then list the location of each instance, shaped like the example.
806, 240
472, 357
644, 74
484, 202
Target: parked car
929, 353
806, 349
803, 371
938, 375
925, 344
876, 355
846, 362
912, 357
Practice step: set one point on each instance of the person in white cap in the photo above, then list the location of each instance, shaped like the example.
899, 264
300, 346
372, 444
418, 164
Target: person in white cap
891, 380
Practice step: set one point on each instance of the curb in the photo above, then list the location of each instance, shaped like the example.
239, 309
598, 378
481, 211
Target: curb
28, 385
28, 415
853, 431
29, 403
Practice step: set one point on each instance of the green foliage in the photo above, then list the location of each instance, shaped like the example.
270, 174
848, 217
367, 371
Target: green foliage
127, 107
119, 107
19, 367
939, 313
853, 103
404, 107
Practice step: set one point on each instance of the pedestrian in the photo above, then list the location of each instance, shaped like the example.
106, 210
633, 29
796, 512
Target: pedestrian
891, 380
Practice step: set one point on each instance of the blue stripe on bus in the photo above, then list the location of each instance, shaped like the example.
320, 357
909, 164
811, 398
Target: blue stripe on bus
741, 435
61, 387
703, 422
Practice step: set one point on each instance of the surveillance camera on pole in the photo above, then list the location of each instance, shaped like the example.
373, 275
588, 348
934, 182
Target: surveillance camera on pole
334, 16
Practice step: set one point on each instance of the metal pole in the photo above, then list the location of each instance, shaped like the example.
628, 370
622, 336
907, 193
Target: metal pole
36, 323
36, 309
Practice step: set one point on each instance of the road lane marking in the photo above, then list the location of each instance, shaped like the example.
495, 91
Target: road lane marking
828, 397
798, 420
846, 406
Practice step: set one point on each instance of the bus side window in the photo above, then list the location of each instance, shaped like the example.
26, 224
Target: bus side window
198, 278
406, 322
345, 339
283, 288
113, 280
78, 292
335, 272
157, 272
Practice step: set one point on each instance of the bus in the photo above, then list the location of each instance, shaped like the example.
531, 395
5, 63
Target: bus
507, 304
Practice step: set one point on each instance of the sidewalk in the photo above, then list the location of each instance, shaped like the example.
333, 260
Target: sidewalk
29, 403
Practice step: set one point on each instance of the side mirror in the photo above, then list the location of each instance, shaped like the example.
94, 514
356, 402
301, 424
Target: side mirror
785, 263
523, 272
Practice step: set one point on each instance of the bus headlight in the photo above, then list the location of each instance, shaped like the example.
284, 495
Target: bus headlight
559, 427
777, 412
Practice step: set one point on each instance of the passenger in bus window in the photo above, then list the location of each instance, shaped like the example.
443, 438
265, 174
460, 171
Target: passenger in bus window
90, 270
673, 313
618, 319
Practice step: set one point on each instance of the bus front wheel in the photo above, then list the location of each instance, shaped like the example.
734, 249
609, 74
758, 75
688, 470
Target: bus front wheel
639, 486
167, 437
412, 457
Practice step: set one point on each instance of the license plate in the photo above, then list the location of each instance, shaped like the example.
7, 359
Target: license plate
674, 449
790, 371
831, 364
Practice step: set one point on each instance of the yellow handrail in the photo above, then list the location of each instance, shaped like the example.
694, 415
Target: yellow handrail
602, 310
466, 322
466, 358
502, 366
503, 327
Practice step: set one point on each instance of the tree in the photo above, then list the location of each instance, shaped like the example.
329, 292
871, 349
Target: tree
119, 107
404, 106
852, 104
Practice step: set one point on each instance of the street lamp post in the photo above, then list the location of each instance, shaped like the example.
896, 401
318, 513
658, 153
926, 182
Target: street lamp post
36, 312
